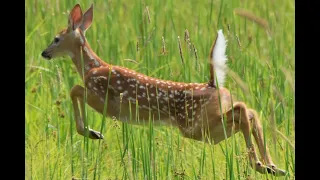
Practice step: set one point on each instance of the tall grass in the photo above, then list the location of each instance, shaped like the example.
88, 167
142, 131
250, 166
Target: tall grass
260, 53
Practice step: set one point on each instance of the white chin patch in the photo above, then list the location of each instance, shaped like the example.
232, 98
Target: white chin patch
71, 54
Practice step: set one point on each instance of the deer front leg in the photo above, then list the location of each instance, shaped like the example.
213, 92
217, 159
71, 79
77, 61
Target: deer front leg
258, 135
77, 94
240, 111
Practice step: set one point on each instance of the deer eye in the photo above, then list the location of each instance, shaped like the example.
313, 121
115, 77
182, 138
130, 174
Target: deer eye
56, 40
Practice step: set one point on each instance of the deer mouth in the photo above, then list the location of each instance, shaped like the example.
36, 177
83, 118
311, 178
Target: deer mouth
46, 55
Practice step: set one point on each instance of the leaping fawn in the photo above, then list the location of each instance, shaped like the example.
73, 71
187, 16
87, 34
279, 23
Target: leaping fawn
192, 107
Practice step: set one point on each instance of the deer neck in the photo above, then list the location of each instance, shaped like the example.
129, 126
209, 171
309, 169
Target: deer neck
85, 59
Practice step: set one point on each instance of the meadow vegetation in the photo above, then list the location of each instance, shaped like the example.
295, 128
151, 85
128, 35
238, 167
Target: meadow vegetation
143, 35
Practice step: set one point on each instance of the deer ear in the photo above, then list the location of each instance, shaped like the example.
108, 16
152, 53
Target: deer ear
75, 18
87, 19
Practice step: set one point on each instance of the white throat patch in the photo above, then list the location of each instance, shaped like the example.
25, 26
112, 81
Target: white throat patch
71, 54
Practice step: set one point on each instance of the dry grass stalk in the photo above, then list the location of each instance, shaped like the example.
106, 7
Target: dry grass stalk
250, 16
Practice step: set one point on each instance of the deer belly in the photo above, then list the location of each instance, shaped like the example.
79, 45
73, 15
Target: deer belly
133, 113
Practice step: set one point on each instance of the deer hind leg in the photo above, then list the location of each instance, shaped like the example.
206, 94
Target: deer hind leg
258, 136
240, 111
78, 94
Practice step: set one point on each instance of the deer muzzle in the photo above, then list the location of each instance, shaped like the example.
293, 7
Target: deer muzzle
46, 55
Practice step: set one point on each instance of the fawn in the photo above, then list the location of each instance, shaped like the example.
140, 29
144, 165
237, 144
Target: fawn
196, 109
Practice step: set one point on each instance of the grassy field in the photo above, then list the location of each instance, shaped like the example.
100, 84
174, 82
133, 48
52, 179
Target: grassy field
260, 54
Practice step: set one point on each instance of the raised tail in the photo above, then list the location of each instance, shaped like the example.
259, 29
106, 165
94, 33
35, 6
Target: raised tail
218, 61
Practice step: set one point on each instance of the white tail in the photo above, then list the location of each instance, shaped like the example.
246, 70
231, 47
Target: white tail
219, 58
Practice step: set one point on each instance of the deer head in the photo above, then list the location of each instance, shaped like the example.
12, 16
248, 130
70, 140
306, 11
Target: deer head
70, 38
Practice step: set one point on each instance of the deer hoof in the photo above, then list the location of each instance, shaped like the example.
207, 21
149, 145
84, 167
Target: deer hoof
277, 172
270, 170
95, 135
263, 169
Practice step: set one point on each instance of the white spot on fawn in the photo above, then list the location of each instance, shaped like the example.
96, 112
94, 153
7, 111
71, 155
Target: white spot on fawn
86, 50
118, 82
195, 105
120, 88
142, 87
103, 77
96, 62
87, 67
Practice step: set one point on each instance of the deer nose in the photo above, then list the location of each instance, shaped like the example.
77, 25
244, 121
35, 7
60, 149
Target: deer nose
45, 55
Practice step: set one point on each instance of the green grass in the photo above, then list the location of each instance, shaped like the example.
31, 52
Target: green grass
262, 75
